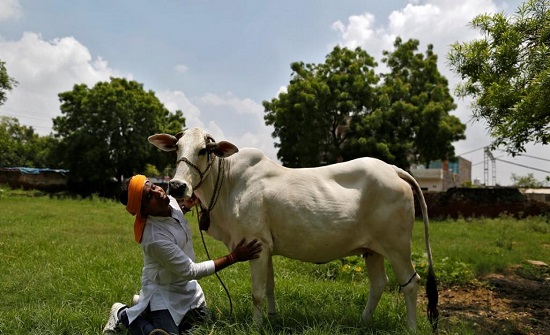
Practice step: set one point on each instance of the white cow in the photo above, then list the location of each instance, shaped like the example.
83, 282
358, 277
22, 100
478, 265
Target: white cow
361, 207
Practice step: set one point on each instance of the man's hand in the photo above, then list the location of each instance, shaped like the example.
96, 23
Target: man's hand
187, 204
244, 252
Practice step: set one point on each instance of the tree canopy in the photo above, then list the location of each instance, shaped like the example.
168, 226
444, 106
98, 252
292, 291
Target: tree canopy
310, 118
339, 110
20, 146
103, 131
507, 73
6, 82
409, 121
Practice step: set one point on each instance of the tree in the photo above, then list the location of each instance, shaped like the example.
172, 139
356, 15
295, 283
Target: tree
6, 82
310, 119
507, 73
528, 181
410, 123
151, 171
20, 146
103, 132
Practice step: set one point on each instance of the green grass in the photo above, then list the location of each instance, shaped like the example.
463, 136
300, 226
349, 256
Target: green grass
65, 261
486, 245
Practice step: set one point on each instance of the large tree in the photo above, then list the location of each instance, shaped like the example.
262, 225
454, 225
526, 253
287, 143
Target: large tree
311, 117
410, 122
6, 82
103, 131
337, 111
507, 73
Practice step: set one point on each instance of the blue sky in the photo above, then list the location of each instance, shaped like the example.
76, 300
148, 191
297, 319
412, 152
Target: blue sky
218, 60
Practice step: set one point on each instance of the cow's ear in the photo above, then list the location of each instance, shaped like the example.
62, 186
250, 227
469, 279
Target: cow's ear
222, 149
164, 142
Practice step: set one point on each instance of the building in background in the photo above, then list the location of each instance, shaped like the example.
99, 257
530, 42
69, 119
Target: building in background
537, 194
440, 176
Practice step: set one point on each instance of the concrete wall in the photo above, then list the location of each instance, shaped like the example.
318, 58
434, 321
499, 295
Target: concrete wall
40, 179
481, 202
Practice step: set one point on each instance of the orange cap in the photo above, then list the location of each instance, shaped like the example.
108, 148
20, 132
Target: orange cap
135, 193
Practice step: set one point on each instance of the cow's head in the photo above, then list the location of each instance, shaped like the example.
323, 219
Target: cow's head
195, 149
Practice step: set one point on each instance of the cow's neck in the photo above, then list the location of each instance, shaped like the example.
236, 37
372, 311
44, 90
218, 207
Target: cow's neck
212, 185
214, 210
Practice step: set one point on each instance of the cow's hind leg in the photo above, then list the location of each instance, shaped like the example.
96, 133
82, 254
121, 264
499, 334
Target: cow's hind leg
408, 280
378, 280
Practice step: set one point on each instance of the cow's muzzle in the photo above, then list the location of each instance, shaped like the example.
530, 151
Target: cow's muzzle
177, 188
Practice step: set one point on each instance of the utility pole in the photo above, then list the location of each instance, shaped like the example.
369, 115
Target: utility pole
486, 157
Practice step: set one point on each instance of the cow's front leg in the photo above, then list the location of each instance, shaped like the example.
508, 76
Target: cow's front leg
259, 277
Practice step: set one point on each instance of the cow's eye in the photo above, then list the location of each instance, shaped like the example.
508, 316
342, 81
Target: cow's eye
202, 152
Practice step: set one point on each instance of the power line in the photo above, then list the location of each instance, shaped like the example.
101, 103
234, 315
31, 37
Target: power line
468, 152
542, 159
525, 166
497, 158
525, 155
19, 117
25, 114
20, 113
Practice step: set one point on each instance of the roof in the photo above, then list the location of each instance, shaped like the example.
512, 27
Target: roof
427, 173
536, 190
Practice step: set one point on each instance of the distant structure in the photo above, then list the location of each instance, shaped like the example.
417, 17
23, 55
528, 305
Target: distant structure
44, 179
440, 176
488, 156
537, 194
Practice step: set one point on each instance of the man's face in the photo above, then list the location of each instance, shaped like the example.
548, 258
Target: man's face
154, 200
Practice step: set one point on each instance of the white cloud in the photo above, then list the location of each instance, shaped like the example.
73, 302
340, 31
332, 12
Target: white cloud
180, 68
241, 106
225, 117
44, 69
10, 9
437, 22
176, 100
359, 30
282, 89
241, 120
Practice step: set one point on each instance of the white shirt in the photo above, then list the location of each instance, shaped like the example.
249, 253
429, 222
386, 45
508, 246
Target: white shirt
169, 272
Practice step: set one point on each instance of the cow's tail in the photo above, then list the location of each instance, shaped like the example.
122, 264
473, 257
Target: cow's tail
431, 282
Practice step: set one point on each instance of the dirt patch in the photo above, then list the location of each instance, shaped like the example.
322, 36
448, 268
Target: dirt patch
498, 304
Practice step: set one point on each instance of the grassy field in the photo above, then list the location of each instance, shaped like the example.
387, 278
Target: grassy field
65, 261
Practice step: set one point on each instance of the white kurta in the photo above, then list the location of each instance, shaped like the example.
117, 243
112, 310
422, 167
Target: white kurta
169, 272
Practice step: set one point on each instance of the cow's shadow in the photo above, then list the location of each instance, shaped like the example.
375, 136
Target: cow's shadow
307, 318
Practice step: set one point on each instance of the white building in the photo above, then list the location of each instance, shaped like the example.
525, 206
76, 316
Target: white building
440, 176
537, 194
